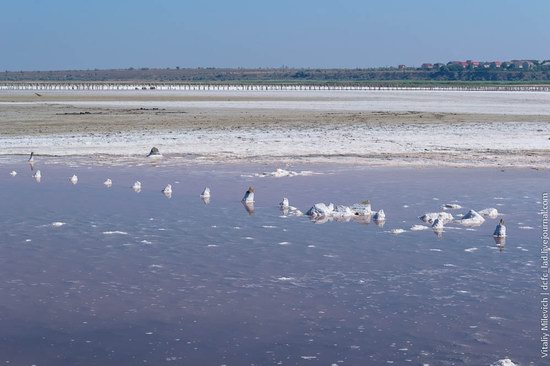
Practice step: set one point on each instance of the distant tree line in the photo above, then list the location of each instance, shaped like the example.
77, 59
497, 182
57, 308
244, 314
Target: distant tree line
539, 73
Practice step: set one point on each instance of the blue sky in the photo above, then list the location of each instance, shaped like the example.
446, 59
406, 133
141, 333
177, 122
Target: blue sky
87, 34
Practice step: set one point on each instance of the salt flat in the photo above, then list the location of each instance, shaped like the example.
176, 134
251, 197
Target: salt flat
366, 127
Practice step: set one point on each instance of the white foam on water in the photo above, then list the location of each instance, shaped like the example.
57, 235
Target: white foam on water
471, 250
418, 228
286, 279
58, 224
116, 232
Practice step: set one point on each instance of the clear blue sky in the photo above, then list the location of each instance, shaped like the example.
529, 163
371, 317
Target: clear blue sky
87, 34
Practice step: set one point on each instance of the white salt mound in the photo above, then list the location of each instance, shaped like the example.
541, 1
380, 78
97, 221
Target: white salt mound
438, 224
489, 212
361, 209
320, 210
342, 211
418, 228
289, 210
504, 362
397, 231
451, 206
280, 173
472, 218
430, 217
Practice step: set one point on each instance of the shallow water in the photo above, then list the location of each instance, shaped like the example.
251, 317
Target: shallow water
136, 278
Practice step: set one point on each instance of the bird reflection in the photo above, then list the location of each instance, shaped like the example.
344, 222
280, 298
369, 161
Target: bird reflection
249, 207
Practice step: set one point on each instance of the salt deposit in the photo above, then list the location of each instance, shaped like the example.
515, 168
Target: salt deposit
451, 206
397, 231
320, 210
471, 218
504, 362
418, 141
418, 228
280, 173
361, 209
430, 217
289, 210
489, 212
438, 224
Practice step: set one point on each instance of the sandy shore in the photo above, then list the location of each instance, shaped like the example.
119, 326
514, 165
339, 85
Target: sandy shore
377, 128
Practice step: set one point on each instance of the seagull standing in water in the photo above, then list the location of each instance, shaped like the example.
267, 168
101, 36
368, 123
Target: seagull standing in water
73, 179
167, 191
31, 158
500, 230
249, 196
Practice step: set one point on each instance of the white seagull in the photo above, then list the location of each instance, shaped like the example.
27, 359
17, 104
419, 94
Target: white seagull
167, 191
500, 230
249, 196
73, 179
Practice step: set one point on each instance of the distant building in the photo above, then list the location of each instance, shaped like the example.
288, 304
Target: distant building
463, 64
496, 64
402, 67
427, 66
438, 65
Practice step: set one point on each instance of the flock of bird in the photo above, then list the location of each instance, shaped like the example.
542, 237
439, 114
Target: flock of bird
321, 211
